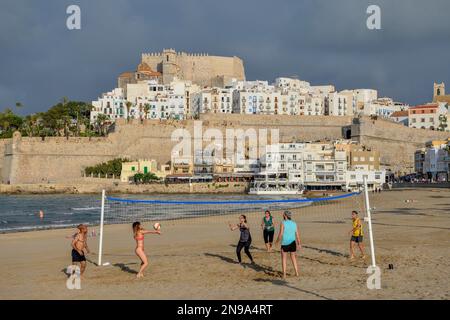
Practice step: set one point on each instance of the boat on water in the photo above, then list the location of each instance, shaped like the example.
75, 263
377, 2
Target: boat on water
265, 185
261, 192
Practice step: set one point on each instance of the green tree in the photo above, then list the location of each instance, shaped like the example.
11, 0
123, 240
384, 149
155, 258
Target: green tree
149, 177
9, 122
146, 110
112, 167
138, 178
102, 120
442, 122
128, 104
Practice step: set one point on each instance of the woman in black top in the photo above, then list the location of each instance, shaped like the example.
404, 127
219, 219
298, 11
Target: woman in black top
245, 239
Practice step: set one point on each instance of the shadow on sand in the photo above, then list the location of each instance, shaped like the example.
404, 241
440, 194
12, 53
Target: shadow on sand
284, 283
124, 267
328, 251
254, 266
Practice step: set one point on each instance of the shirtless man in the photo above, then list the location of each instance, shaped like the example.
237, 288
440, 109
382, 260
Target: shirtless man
79, 244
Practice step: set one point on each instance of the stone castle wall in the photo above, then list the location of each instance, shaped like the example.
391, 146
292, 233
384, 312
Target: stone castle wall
59, 160
3, 166
396, 143
201, 69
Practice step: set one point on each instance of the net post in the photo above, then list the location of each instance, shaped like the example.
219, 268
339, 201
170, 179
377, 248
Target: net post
102, 215
369, 220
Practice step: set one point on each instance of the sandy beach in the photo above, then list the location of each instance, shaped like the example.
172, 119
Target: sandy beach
195, 258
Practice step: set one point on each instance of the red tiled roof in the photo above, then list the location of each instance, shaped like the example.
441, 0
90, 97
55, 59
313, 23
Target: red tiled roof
403, 113
426, 106
127, 74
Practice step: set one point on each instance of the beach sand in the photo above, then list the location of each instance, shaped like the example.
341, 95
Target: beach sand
195, 258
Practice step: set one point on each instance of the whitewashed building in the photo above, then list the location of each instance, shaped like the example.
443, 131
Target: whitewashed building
315, 105
112, 104
147, 100
436, 161
341, 103
383, 107
354, 179
312, 165
430, 116
213, 100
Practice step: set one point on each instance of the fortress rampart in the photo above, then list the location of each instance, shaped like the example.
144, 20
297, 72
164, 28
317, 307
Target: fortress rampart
61, 160
200, 68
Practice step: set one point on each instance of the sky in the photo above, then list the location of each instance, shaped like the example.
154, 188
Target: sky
320, 41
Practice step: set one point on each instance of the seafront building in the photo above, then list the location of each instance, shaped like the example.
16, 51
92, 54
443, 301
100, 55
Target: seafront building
143, 166
318, 166
341, 165
433, 161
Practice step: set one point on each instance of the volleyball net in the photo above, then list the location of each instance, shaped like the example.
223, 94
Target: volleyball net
321, 208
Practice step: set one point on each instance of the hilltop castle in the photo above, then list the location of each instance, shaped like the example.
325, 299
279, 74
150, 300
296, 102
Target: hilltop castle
200, 68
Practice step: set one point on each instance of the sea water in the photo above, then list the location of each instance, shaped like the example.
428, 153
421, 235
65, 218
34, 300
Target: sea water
21, 212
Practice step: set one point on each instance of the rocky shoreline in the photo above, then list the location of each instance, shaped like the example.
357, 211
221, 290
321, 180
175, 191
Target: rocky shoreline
122, 188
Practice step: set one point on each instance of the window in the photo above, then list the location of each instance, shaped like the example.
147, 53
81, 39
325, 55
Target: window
133, 168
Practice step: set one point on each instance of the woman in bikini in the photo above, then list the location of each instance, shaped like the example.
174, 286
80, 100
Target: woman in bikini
139, 233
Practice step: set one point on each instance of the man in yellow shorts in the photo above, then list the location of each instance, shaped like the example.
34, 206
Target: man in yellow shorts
357, 236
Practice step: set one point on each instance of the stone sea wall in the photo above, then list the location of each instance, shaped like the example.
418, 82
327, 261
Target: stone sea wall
57, 160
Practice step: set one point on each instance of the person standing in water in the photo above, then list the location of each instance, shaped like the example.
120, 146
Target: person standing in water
245, 239
79, 246
139, 232
290, 239
268, 227
356, 236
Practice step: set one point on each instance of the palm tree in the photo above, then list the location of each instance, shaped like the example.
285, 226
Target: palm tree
146, 110
128, 104
442, 122
101, 121
140, 112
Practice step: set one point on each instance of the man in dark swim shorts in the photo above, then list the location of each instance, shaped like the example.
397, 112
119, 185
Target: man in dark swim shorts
79, 244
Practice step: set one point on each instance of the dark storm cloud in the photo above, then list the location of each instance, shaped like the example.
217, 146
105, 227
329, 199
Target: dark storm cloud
321, 41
